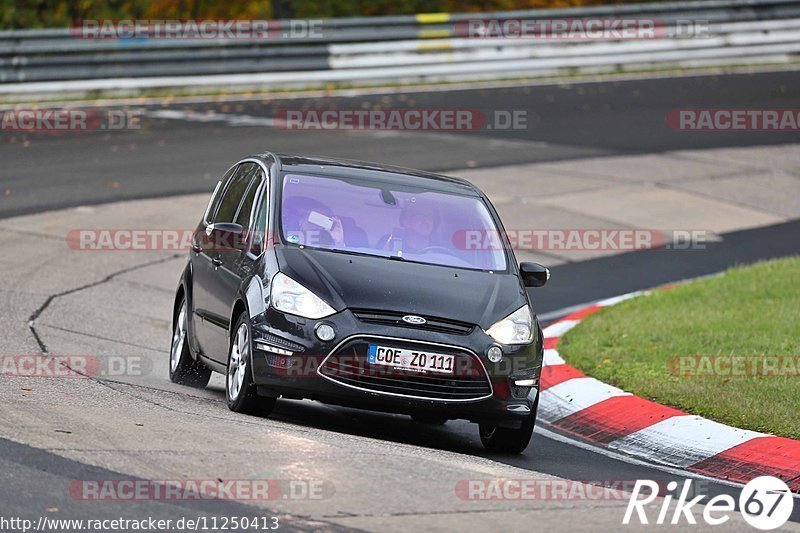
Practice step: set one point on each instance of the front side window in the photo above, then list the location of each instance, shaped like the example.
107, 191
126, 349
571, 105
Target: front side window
258, 226
373, 218
216, 196
232, 197
246, 208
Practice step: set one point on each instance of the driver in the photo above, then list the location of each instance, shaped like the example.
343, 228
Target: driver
419, 223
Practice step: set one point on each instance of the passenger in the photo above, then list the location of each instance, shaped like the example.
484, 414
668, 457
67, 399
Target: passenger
307, 221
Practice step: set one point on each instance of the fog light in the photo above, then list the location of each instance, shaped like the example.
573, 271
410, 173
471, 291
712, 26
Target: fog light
325, 332
495, 354
269, 348
525, 382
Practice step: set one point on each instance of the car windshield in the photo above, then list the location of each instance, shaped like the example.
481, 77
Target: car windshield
388, 221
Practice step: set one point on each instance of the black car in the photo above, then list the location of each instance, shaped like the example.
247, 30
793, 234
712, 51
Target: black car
360, 285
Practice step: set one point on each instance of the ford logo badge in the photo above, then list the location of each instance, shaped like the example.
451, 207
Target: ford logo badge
414, 319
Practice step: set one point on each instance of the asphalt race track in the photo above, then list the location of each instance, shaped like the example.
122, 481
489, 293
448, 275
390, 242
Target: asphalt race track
566, 121
185, 153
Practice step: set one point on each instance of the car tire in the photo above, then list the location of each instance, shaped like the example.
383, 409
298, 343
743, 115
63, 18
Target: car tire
183, 369
507, 440
240, 391
431, 420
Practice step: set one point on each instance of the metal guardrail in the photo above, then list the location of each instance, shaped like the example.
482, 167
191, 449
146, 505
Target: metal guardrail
426, 46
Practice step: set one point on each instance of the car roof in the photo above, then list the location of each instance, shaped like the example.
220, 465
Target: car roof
374, 171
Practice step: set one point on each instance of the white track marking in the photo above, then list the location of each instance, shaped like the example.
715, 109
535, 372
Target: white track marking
617, 299
559, 328
683, 440
552, 357
575, 395
617, 456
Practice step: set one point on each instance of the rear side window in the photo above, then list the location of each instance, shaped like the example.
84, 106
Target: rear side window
235, 190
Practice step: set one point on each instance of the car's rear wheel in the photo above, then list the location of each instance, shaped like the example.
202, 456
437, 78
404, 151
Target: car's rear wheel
431, 420
507, 440
240, 391
182, 368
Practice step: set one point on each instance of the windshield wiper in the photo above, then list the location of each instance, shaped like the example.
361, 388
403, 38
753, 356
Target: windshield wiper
348, 252
362, 254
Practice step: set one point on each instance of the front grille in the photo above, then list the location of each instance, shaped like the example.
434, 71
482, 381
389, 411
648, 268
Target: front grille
394, 318
349, 365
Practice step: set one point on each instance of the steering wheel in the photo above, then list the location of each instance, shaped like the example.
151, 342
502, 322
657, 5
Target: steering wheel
436, 248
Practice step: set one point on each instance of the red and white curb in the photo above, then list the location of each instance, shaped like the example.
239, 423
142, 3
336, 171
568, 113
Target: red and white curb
587, 408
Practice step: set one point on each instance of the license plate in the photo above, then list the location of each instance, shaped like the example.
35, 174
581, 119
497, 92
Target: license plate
413, 360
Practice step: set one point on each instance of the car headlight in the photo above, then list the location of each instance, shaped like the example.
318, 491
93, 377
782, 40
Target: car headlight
516, 328
290, 297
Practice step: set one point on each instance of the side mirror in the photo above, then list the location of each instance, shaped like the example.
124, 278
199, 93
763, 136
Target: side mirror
226, 236
534, 274
224, 227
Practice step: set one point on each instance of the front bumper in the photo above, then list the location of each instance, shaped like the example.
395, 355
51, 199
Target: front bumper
290, 361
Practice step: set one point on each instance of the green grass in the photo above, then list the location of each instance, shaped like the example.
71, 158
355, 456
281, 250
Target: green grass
748, 311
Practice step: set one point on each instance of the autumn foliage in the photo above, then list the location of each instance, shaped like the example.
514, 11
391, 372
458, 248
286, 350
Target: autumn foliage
60, 13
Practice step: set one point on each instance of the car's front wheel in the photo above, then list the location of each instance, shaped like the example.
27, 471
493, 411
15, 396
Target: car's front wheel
182, 368
507, 440
240, 390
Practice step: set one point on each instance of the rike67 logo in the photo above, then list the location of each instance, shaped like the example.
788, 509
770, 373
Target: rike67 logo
765, 503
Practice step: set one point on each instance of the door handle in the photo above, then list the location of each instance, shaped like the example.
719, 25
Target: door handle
216, 261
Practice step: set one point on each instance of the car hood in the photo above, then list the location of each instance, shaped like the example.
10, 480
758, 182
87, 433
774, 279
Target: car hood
365, 282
